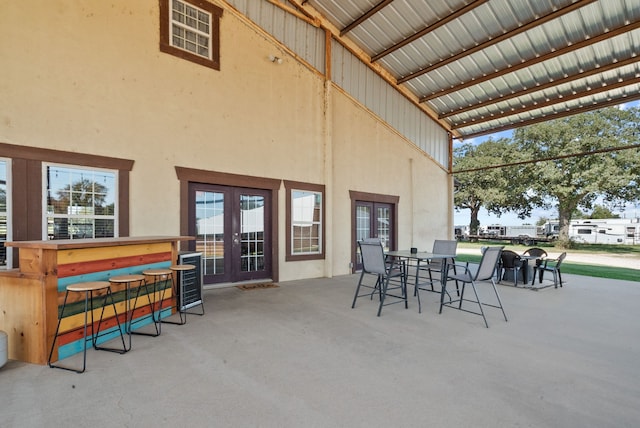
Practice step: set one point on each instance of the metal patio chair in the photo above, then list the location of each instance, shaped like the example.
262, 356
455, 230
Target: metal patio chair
485, 272
387, 277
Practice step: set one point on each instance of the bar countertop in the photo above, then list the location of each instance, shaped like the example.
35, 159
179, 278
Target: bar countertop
65, 244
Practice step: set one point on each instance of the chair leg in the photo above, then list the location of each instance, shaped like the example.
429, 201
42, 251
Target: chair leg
384, 293
560, 278
353, 305
499, 300
475, 291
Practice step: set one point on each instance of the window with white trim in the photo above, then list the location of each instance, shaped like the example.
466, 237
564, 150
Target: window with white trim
79, 202
189, 29
305, 221
5, 210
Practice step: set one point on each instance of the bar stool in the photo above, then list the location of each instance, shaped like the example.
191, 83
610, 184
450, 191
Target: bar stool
128, 280
160, 276
88, 288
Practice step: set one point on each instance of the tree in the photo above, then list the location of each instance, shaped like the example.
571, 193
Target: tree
573, 182
600, 211
84, 193
492, 188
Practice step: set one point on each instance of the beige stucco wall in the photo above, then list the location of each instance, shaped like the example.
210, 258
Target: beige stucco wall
89, 77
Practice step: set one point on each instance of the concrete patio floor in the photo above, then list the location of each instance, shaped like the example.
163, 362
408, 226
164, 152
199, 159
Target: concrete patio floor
299, 356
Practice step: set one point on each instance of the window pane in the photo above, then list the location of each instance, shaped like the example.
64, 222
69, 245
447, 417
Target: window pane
306, 222
3, 213
80, 202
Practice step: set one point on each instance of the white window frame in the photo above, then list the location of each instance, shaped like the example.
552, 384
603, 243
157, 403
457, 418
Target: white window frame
8, 213
208, 35
46, 214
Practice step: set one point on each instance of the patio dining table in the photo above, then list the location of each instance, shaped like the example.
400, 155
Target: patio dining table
425, 257
526, 271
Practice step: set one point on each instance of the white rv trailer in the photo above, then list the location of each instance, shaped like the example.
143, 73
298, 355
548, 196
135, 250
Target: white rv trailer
606, 231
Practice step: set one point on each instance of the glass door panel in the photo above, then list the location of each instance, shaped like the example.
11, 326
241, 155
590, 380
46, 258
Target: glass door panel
210, 219
373, 220
231, 226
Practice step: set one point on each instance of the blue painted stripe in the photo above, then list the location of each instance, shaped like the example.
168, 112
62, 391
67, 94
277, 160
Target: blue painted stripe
75, 347
105, 275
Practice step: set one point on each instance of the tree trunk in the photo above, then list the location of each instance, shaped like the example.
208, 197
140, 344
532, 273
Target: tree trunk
564, 220
475, 223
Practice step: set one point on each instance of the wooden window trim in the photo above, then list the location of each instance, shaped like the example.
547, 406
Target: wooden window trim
289, 186
26, 186
165, 43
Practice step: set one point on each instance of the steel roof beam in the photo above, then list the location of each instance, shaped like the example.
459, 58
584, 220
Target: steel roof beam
455, 15
542, 87
547, 117
560, 99
500, 38
369, 14
559, 52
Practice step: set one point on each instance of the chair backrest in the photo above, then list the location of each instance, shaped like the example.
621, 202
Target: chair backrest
443, 246
536, 252
510, 259
372, 255
488, 263
560, 259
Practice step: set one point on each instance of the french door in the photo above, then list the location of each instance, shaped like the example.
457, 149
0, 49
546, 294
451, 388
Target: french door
374, 220
232, 230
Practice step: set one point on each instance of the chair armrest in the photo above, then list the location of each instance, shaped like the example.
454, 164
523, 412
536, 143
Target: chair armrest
459, 265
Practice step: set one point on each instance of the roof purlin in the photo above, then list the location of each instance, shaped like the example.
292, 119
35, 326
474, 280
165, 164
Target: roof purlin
541, 87
562, 99
559, 52
504, 36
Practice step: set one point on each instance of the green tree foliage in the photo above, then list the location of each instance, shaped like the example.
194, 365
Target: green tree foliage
600, 211
492, 188
576, 182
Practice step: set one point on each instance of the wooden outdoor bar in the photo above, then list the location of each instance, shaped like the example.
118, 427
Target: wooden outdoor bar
30, 296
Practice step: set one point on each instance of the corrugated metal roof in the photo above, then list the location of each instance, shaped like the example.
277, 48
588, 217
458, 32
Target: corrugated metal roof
488, 65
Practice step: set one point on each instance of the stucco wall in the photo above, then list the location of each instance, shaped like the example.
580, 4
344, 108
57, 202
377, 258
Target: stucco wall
89, 77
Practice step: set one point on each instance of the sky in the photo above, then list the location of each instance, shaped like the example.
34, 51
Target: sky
463, 217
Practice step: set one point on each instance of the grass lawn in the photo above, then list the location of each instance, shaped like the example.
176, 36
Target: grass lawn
610, 272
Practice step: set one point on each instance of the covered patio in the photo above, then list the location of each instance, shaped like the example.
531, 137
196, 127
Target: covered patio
298, 356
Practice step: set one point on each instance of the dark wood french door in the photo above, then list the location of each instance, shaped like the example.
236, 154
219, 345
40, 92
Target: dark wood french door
232, 226
374, 220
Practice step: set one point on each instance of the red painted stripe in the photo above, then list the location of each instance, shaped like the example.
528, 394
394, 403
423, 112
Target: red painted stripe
78, 333
81, 268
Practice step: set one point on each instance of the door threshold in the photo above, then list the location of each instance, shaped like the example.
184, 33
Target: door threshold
234, 284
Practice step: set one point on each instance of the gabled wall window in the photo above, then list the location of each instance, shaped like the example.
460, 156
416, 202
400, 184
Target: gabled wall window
79, 203
305, 221
190, 29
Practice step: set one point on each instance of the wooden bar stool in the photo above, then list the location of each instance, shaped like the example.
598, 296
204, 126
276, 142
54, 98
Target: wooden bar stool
88, 288
165, 278
128, 281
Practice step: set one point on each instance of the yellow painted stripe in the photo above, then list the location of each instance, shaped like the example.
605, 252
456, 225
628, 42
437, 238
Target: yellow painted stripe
77, 320
78, 255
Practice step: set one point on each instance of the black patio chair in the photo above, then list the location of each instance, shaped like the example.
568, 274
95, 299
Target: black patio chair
510, 262
540, 254
553, 266
387, 277
485, 272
